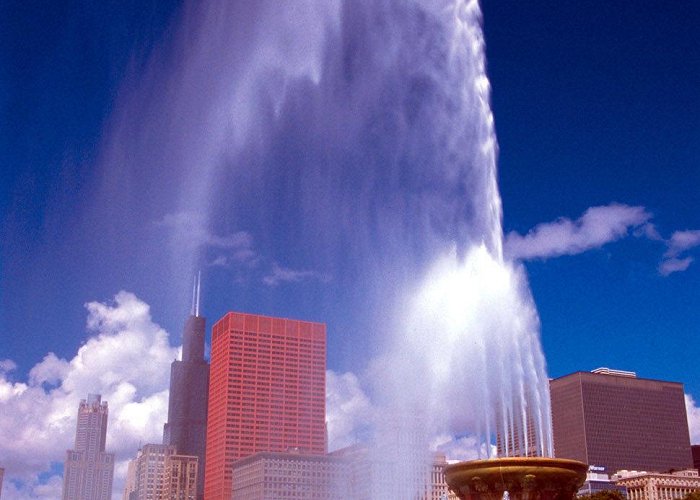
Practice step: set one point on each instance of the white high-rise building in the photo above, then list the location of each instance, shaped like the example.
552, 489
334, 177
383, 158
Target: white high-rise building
88, 470
149, 470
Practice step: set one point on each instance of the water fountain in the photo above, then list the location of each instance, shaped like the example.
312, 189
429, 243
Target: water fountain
357, 138
520, 478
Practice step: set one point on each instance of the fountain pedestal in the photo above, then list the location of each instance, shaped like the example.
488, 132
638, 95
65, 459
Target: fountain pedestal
524, 478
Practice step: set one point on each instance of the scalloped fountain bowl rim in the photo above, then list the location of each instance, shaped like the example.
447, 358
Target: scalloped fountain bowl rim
515, 474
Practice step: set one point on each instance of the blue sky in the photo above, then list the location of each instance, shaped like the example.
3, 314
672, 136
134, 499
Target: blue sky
125, 166
596, 103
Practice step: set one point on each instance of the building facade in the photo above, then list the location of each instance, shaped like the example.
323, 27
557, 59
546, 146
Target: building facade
273, 476
266, 393
437, 486
597, 480
180, 478
617, 421
130, 483
371, 474
186, 428
88, 470
149, 470
518, 441
695, 452
656, 486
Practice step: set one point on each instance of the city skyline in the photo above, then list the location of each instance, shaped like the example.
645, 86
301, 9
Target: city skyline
596, 112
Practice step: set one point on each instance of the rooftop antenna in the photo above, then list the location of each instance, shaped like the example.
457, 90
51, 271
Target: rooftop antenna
194, 297
199, 283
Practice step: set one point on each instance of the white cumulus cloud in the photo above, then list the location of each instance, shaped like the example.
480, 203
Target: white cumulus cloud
596, 227
126, 360
461, 448
693, 413
349, 411
232, 249
679, 243
279, 274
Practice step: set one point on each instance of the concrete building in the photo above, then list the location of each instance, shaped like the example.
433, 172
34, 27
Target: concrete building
597, 480
695, 452
180, 478
148, 471
273, 476
369, 473
437, 486
615, 420
159, 473
88, 470
186, 428
130, 483
657, 486
519, 441
266, 394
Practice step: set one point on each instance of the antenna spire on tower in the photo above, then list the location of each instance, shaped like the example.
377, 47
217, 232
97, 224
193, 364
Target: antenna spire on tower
194, 297
199, 284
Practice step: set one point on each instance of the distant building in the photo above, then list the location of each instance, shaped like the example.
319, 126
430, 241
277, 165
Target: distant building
186, 428
368, 474
519, 441
273, 476
180, 477
267, 393
657, 486
148, 469
695, 451
2, 475
597, 480
437, 486
615, 420
88, 470
130, 483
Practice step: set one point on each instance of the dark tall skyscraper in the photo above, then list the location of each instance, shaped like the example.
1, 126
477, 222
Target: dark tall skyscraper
189, 390
615, 420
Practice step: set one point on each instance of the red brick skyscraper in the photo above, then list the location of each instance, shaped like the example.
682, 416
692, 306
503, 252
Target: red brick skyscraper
266, 393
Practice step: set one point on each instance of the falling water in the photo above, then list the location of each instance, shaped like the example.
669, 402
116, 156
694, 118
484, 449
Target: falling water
355, 140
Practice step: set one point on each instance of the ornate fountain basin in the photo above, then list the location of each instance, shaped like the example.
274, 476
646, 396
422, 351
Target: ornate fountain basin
524, 478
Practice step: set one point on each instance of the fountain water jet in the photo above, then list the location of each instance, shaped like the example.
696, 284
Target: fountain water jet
374, 133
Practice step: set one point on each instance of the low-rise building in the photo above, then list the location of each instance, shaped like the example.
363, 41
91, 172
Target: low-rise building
597, 480
271, 476
657, 485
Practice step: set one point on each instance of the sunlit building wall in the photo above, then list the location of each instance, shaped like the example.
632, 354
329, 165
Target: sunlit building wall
272, 476
266, 392
130, 483
150, 470
180, 478
656, 486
